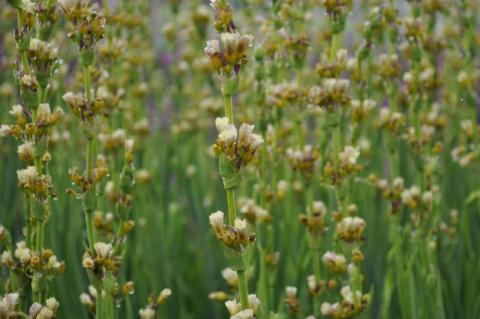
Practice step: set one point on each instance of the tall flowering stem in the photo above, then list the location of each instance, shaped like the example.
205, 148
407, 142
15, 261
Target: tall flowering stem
235, 149
34, 122
88, 25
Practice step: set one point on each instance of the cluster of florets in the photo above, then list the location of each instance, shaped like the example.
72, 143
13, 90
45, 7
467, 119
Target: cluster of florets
361, 109
223, 15
10, 301
297, 46
103, 259
291, 300
252, 212
315, 222
235, 309
392, 192
32, 127
337, 8
350, 229
23, 258
84, 183
419, 202
85, 110
104, 222
282, 188
414, 28
8, 304
344, 165
391, 120
331, 95
303, 160
43, 56
314, 285
335, 262
154, 301
49, 311
229, 53
38, 185
333, 69
234, 236
348, 157
419, 140
280, 95
466, 154
88, 23
239, 147
353, 302
467, 150
434, 117
28, 129
113, 141
388, 66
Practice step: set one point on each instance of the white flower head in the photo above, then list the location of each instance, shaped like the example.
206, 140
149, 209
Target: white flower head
164, 295
349, 154
28, 5
291, 292
25, 151
26, 175
233, 307
22, 252
253, 302
257, 140
147, 313
212, 47
17, 110
52, 304
228, 135
44, 111
217, 221
92, 290
5, 130
6, 257
102, 249
85, 299
129, 145
230, 276
221, 123
240, 223
312, 283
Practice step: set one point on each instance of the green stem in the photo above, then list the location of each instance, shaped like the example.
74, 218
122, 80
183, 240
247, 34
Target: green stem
37, 277
87, 82
90, 233
22, 53
99, 305
228, 103
39, 236
232, 206
107, 305
337, 143
335, 45
243, 289
23, 58
316, 268
89, 159
89, 198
